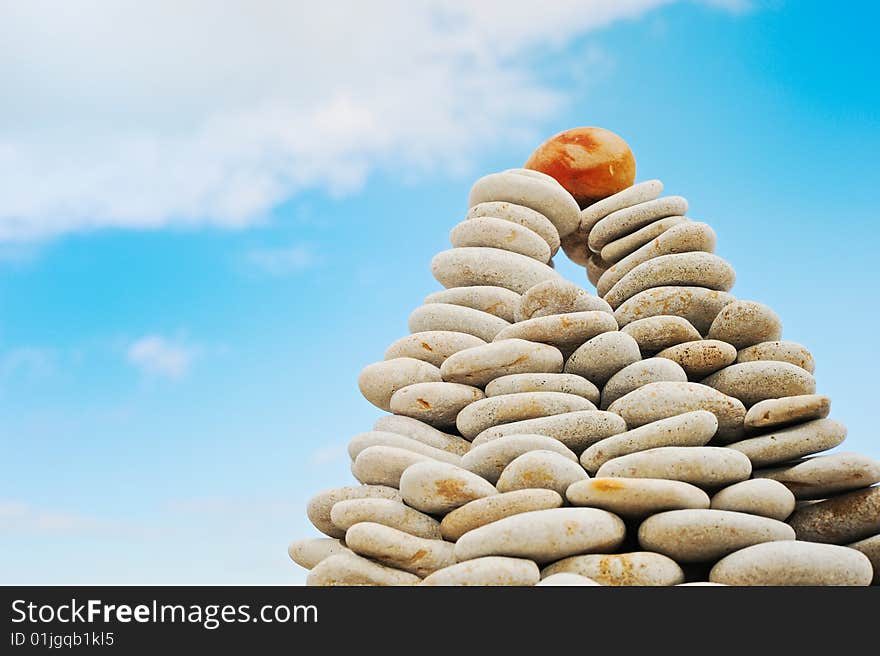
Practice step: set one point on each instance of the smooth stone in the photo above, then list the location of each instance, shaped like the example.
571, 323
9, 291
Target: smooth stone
438, 487
841, 519
551, 200
478, 265
507, 408
746, 323
422, 432
620, 248
759, 496
703, 466
499, 301
480, 365
362, 441
693, 428
519, 214
437, 404
544, 535
595, 267
638, 568
601, 357
629, 219
557, 297
566, 579
701, 584
576, 430
383, 465
751, 382
792, 352
638, 374
654, 334
793, 563
541, 469
574, 245
788, 410
456, 318
380, 380
387, 512
431, 346
680, 237
498, 233
698, 305
695, 269
784, 444
398, 549
636, 497
351, 569
666, 399
567, 383
825, 476
489, 459
564, 331
320, 505
310, 552
490, 509
634, 195
871, 548
489, 570
690, 536
700, 358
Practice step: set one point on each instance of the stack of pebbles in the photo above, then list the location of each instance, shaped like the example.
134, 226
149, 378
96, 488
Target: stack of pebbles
656, 434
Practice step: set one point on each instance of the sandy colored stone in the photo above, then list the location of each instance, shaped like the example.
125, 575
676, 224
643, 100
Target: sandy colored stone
698, 305
456, 318
319, 506
480, 365
871, 548
700, 358
693, 428
566, 579
704, 466
438, 487
310, 552
351, 569
655, 334
620, 248
478, 265
398, 549
757, 497
422, 432
629, 219
639, 374
788, 410
524, 216
564, 331
840, 519
498, 233
499, 301
595, 266
490, 509
636, 497
751, 382
638, 568
541, 469
489, 459
544, 535
487, 571
825, 476
780, 351
689, 536
641, 192
380, 380
557, 296
387, 512
576, 430
437, 404
362, 441
383, 465
793, 563
567, 383
745, 323
666, 399
601, 357
495, 410
431, 346
784, 444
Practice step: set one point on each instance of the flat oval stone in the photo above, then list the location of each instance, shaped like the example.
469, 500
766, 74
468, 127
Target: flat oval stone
576, 430
620, 248
793, 563
841, 519
542, 469
567, 383
745, 323
380, 380
438, 487
603, 356
676, 237
784, 444
792, 352
387, 512
544, 535
695, 269
566, 578
362, 441
654, 334
700, 358
698, 305
703, 466
636, 497
499, 301
431, 346
788, 410
557, 297
456, 318
757, 497
478, 265
422, 432
351, 569
639, 568
498, 233
480, 365
383, 465
489, 459
519, 214
666, 399
437, 404
871, 548
507, 408
490, 509
319, 506
693, 428
398, 549
308, 553
489, 570
751, 382
824, 476
564, 331
634, 195
692, 536
639, 374
629, 219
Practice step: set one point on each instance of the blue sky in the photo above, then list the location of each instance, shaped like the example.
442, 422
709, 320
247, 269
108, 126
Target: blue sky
210, 222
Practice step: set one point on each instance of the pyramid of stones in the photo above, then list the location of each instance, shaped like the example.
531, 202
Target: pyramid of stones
660, 433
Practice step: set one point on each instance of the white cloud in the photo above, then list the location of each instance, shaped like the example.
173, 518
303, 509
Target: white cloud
281, 261
27, 363
17, 517
147, 114
330, 454
156, 355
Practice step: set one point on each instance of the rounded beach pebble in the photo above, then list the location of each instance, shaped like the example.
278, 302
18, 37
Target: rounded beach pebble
546, 470
351, 569
438, 487
524, 216
841, 519
431, 346
557, 296
437, 404
319, 506
490, 509
745, 323
488, 571
629, 219
422, 432
788, 410
479, 265
565, 331
495, 300
490, 458
498, 233
634, 195
655, 334
751, 382
506, 408
566, 579
576, 430
380, 380
639, 568
792, 352
567, 383
636, 497
824, 476
700, 358
387, 512
703, 466
758, 496
479, 365
639, 374
786, 444
308, 553
457, 318
698, 305
604, 355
